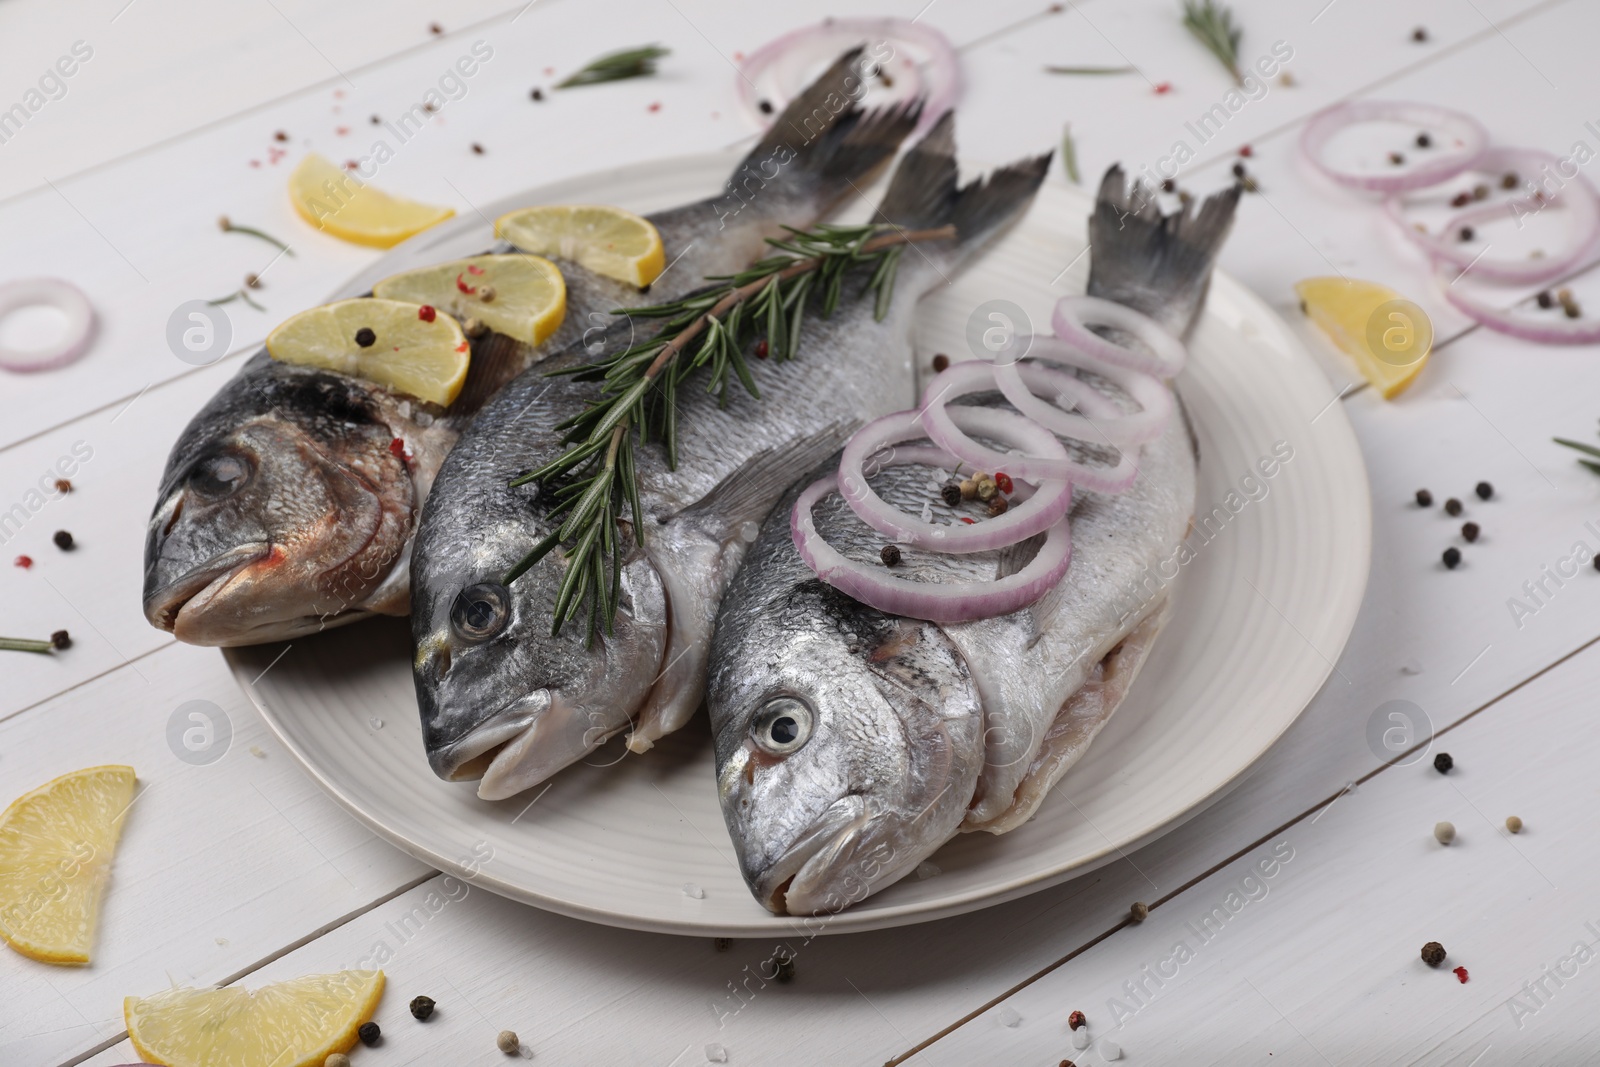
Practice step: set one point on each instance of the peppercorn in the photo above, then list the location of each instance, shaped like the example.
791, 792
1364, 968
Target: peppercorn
1513, 824
252, 281
60, 640
998, 506
890, 555
536, 94
421, 1008
1572, 309
1003, 480
766, 107
27, 561
985, 487
1480, 192
370, 1034
63, 486
1452, 507
763, 349
365, 337
1545, 299
1433, 953
1442, 763
63, 540
1461, 200
435, 29
1075, 1020
486, 293
941, 363
1466, 233
783, 967
474, 328
508, 1043
950, 493
1510, 181
1419, 34
1444, 832
1238, 170
1451, 557
1469, 531
336, 1059
1168, 185
280, 136
1484, 490
1139, 912
1424, 499
969, 488
722, 944
477, 149
375, 120
1185, 197
1396, 158
1424, 141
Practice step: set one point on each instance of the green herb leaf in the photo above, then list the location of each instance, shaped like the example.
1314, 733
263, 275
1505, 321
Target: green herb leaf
1212, 25
630, 63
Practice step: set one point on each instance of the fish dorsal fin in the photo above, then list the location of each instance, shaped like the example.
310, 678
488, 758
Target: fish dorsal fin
750, 492
496, 359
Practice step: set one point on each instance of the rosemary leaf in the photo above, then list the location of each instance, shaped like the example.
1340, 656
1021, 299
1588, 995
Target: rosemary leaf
631, 63
1589, 450
1212, 25
1088, 70
1069, 155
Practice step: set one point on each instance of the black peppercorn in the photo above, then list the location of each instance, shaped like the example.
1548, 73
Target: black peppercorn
1419, 34
950, 493
941, 363
421, 1008
722, 944
1442, 763
365, 337
1433, 953
1469, 531
1424, 499
1168, 185
1452, 556
1238, 170
783, 967
477, 149
536, 94
61, 640
1466, 233
1452, 507
1509, 181
63, 540
1545, 299
890, 555
369, 1034
1424, 141
766, 107
1484, 490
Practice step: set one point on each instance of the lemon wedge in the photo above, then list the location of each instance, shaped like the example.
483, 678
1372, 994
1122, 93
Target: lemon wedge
338, 202
607, 240
520, 296
407, 347
1388, 336
297, 1023
56, 845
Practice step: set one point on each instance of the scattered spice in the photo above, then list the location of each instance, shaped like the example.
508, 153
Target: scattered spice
375, 120
1419, 34
1003, 480
1238, 170
998, 506
969, 522
426, 313
435, 29
474, 328
1163, 88
63, 486
507, 1042
1424, 141
1139, 912
336, 1059
1452, 507
1246, 151
486, 293
1076, 1019
1424, 499
1433, 953
252, 281
763, 350
370, 1034
1466, 233
365, 337
25, 644
1480, 192
1469, 531
1513, 824
422, 1008
1510, 181
765, 106
1545, 299
1484, 490
1571, 308
464, 287
1597, 563
985, 487
941, 363
1168, 185
63, 540
1286, 79
1396, 158
477, 149
1461, 200
615, 66
950, 493
655, 105
1444, 832
1461, 975
722, 944
61, 640
1442, 763
227, 225
890, 555
23, 561
783, 967
1452, 557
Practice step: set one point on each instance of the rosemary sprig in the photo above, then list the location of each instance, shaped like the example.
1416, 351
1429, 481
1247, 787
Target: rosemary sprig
227, 225
1212, 25
1587, 450
237, 294
23, 644
631, 63
1088, 70
594, 481
1069, 155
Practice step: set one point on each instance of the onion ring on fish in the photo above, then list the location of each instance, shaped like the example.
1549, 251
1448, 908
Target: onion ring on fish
1442, 164
1034, 515
773, 73
878, 587
1074, 315
52, 293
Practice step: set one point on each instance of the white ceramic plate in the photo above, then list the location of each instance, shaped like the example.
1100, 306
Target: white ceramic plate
1262, 613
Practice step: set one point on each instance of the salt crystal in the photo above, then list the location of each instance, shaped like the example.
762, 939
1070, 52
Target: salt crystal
749, 531
1411, 666
1010, 1017
928, 870
220, 940
258, 752
375, 722
1080, 1038
927, 511
716, 1054
405, 409
1110, 1049
423, 419
692, 890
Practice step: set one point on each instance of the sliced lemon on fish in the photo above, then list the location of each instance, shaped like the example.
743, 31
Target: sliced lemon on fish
520, 296
411, 348
1387, 335
56, 845
338, 202
607, 240
298, 1023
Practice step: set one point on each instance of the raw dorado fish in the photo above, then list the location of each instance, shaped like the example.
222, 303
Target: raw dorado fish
518, 705
851, 743
286, 506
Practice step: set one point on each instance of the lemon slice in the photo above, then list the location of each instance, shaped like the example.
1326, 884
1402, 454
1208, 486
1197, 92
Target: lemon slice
297, 1023
520, 296
607, 240
1388, 336
409, 347
338, 202
56, 845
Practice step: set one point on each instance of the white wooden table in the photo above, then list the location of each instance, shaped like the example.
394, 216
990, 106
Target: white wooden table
243, 872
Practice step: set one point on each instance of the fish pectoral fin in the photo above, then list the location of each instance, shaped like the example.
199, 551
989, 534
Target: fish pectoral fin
749, 493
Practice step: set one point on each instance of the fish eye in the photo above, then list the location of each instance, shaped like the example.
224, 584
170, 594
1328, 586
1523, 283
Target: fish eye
782, 726
221, 473
481, 611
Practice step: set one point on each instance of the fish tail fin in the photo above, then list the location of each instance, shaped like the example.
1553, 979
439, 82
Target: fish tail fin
1155, 263
823, 144
925, 194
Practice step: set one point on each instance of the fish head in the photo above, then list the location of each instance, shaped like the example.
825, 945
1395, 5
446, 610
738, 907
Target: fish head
848, 746
283, 508
502, 698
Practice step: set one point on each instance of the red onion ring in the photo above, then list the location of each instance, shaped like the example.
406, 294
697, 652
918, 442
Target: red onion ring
1034, 515
878, 587
1578, 196
1119, 428
1074, 315
795, 56
1440, 165
1554, 331
65, 298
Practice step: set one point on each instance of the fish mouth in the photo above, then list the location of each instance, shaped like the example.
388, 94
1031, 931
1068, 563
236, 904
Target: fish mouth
499, 741
175, 604
805, 880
